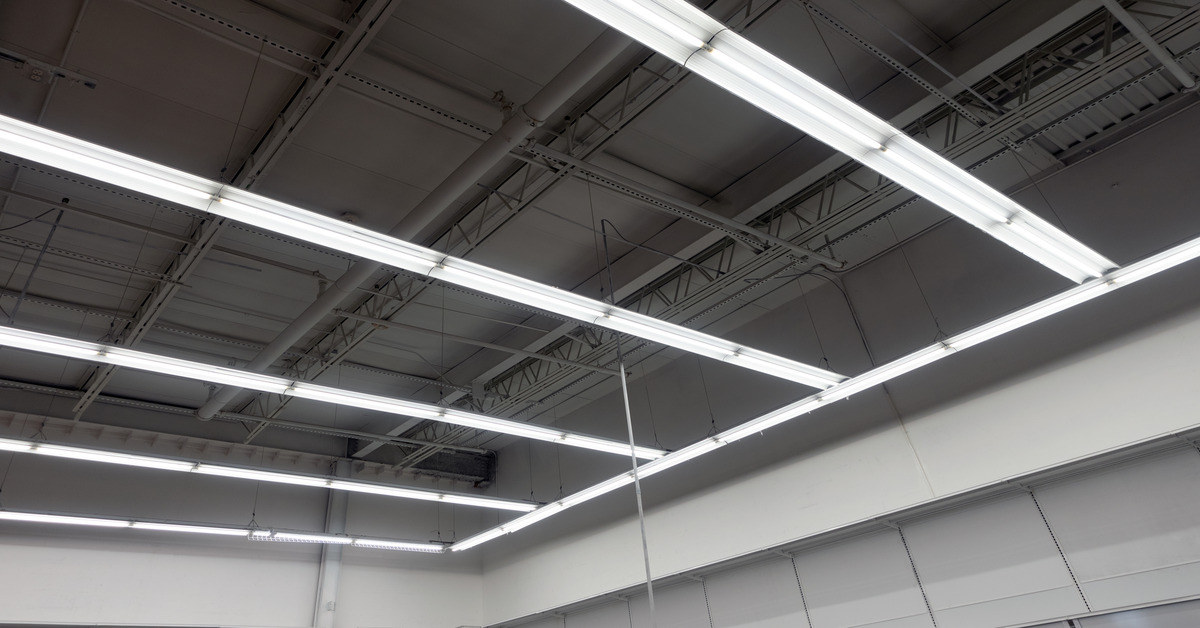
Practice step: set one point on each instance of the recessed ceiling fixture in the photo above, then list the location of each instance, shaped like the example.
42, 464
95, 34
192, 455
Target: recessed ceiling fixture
253, 534
692, 38
1047, 307
120, 356
204, 468
83, 158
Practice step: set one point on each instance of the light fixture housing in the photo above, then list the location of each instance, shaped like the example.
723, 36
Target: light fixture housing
74, 155
253, 534
690, 37
1113, 280
130, 358
260, 475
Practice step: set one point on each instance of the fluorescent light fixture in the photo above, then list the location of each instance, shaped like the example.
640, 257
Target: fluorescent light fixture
449, 498
92, 455
261, 476
96, 352
1115, 279
15, 445
33, 517
692, 38
695, 450
67, 153
120, 356
258, 475
74, 155
771, 419
404, 546
253, 534
478, 539
192, 529
294, 537
549, 510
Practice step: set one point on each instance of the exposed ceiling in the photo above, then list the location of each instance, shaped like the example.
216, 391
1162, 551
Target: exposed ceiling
366, 110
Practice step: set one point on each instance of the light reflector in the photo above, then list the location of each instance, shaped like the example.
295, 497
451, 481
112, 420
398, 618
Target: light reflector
253, 534
96, 352
692, 38
74, 155
259, 475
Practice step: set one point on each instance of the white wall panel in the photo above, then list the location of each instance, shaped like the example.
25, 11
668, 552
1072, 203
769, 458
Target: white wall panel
614, 615
761, 595
991, 564
1132, 532
100, 578
1181, 615
860, 581
402, 590
877, 473
676, 606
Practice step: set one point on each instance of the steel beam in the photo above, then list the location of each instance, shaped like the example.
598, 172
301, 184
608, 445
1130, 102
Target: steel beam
264, 155
1139, 31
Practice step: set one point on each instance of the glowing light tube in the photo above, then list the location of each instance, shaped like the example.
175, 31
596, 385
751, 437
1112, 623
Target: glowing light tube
259, 475
690, 37
1047, 307
74, 155
96, 352
253, 534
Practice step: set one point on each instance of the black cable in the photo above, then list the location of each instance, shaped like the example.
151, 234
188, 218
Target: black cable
34, 219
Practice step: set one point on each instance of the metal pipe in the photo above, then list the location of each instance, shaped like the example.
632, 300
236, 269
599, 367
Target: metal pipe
578, 72
1139, 31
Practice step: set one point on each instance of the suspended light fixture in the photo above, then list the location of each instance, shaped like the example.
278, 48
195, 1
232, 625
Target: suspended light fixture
254, 534
690, 37
258, 475
90, 160
1113, 280
96, 352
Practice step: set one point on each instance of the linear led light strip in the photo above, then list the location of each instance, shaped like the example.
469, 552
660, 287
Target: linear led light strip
1031, 314
120, 356
83, 158
692, 38
254, 534
204, 468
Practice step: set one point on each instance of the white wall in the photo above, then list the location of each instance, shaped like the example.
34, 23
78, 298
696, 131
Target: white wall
1100, 376
63, 574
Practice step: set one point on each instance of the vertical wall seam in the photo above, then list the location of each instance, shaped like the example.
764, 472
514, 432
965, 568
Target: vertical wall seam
707, 606
917, 576
800, 586
1057, 546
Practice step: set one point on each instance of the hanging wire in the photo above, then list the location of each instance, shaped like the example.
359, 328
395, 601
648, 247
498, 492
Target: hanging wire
257, 487
242, 111
936, 323
27, 221
832, 57
1033, 182
650, 406
824, 361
